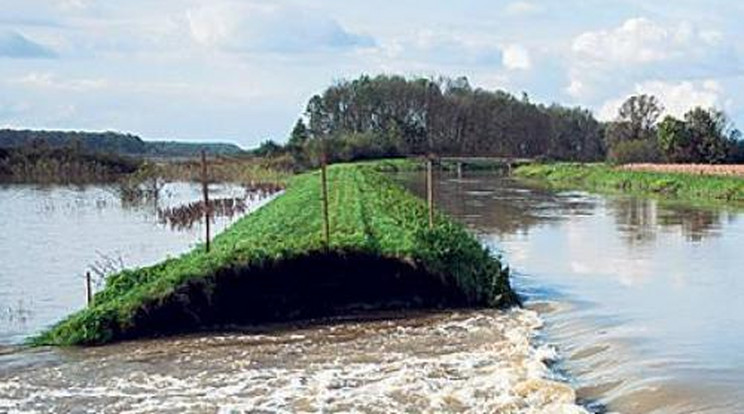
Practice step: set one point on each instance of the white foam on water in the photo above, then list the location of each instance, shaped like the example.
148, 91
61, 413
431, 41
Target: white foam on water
482, 361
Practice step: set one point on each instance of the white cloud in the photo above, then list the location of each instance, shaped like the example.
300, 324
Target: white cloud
516, 57
523, 8
603, 62
576, 88
640, 40
677, 97
442, 47
259, 27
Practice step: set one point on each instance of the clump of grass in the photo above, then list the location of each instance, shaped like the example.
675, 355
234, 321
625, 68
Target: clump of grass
604, 177
370, 217
239, 170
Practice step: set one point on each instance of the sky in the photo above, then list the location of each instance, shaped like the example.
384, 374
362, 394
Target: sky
242, 71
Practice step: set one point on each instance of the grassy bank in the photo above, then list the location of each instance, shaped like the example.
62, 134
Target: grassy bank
272, 265
603, 177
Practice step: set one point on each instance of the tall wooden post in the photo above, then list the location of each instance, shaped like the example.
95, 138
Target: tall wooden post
324, 187
430, 191
205, 191
88, 289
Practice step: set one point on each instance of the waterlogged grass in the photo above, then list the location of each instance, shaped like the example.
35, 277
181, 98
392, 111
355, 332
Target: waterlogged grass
603, 177
369, 214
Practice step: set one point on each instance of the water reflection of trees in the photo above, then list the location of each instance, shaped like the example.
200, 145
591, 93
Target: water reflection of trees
492, 204
495, 205
639, 219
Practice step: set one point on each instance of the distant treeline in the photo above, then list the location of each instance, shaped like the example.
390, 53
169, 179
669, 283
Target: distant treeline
63, 164
111, 143
83, 157
394, 116
390, 116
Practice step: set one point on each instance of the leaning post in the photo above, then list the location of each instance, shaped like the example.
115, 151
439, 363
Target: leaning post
324, 189
430, 190
88, 290
205, 191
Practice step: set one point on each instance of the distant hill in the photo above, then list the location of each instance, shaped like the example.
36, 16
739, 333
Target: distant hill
113, 143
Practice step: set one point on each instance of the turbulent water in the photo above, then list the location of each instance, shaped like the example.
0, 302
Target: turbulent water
475, 361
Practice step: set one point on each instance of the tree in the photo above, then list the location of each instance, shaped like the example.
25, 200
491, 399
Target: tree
297, 144
395, 115
268, 148
676, 141
633, 133
299, 135
636, 120
705, 136
711, 133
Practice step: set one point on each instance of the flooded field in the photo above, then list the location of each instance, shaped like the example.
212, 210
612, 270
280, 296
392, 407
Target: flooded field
52, 235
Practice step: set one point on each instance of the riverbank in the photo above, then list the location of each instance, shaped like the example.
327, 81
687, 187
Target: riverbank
604, 177
273, 266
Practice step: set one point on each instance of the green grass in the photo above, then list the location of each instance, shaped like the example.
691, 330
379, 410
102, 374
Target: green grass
369, 214
604, 177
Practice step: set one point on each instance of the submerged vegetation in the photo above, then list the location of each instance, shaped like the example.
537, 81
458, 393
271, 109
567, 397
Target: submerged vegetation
604, 177
274, 265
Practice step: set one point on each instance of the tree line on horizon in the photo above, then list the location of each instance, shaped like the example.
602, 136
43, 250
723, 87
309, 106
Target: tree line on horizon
108, 143
394, 116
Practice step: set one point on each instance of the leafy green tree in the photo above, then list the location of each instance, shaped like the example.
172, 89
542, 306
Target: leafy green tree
300, 134
268, 148
676, 141
636, 120
704, 136
712, 134
395, 115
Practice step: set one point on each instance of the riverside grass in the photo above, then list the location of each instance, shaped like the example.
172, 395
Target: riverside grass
605, 177
368, 212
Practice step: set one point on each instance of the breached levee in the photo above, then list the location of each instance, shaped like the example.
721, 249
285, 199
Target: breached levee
274, 266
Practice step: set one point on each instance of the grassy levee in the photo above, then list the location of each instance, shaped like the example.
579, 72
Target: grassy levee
604, 177
272, 266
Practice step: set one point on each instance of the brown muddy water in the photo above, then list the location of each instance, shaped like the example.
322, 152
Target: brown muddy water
446, 362
632, 306
641, 298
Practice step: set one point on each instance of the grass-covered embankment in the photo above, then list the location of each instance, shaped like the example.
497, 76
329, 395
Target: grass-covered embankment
604, 177
273, 265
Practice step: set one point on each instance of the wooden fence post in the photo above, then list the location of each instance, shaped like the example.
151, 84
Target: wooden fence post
88, 290
430, 191
324, 186
205, 190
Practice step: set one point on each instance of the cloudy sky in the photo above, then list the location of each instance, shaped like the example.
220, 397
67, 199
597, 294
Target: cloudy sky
242, 71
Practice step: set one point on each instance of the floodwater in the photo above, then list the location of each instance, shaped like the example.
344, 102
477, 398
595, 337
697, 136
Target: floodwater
642, 298
632, 305
446, 362
466, 361
52, 235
